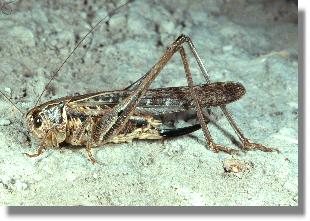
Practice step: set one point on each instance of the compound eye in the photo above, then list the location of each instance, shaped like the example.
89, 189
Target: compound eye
37, 121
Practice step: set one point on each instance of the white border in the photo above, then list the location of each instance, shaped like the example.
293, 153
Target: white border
303, 5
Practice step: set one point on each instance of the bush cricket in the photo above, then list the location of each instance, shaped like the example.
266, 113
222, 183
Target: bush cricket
94, 119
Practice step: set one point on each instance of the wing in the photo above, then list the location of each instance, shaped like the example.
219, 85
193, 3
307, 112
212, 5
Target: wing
166, 100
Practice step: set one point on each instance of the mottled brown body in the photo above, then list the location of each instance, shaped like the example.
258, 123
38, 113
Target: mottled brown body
72, 119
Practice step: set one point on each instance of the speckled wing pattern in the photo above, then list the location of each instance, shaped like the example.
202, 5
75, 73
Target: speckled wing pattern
156, 102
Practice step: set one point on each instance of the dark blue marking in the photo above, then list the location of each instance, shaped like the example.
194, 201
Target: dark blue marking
179, 131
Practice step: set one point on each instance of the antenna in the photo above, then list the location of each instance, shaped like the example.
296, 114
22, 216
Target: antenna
6, 97
110, 14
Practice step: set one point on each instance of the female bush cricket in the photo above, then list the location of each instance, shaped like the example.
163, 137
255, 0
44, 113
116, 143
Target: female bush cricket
95, 119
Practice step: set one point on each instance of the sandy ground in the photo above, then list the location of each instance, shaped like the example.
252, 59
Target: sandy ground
253, 43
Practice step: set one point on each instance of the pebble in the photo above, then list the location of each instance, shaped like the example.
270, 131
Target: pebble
20, 185
23, 34
95, 175
71, 177
5, 122
236, 166
8, 91
227, 48
167, 27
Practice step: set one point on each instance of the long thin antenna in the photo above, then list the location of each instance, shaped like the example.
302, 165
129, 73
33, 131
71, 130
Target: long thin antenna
110, 14
6, 97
